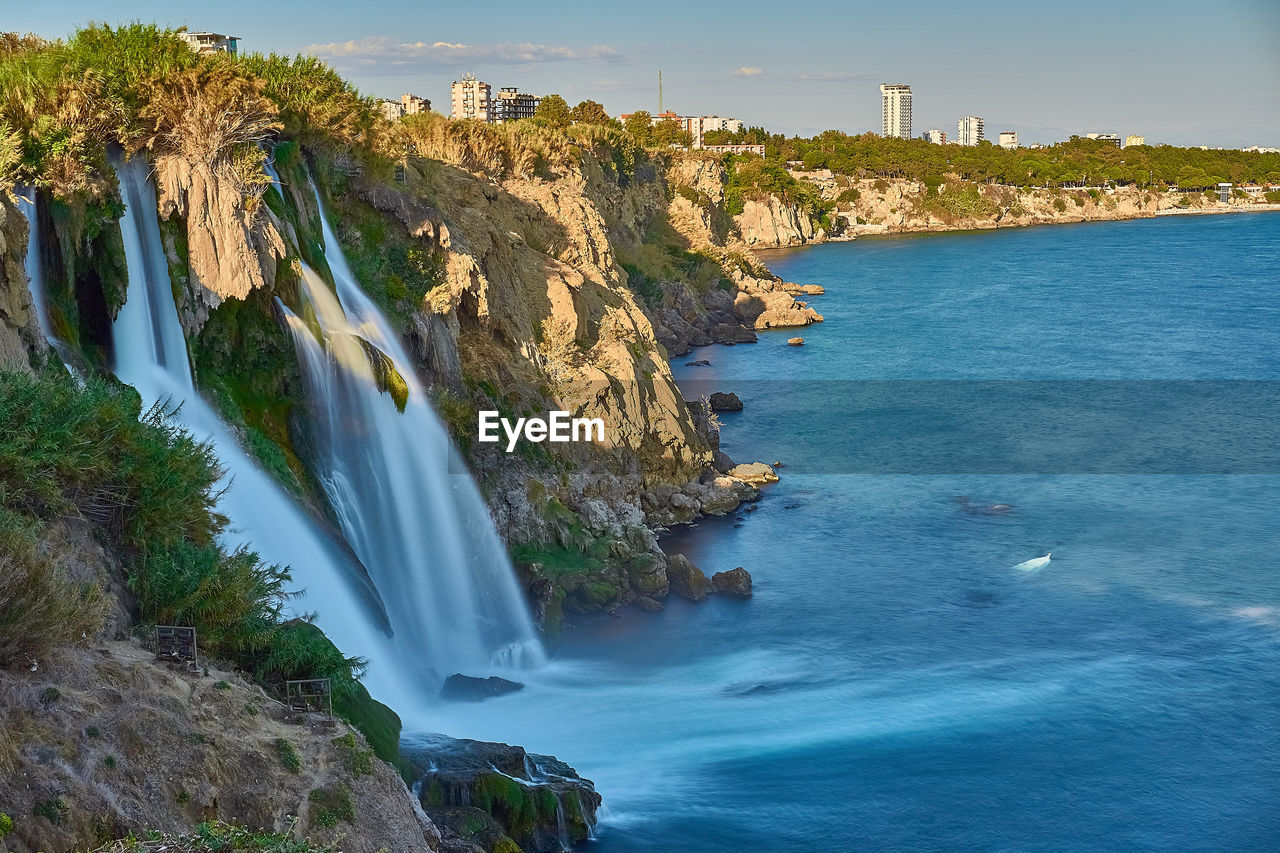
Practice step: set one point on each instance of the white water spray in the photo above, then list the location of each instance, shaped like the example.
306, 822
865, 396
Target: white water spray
151, 355
404, 499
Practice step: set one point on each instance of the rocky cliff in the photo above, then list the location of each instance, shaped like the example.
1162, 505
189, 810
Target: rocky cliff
880, 206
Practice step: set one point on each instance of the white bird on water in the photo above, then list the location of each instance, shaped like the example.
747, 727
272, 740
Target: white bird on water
1034, 563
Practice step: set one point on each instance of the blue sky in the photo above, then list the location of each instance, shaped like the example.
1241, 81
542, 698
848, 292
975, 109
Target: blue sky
1177, 71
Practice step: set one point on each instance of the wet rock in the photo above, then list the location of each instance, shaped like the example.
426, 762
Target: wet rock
468, 688
686, 578
644, 602
733, 582
702, 362
538, 801
756, 473
721, 401
795, 342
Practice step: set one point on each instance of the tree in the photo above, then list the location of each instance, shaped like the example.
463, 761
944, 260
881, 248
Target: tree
640, 125
553, 111
591, 112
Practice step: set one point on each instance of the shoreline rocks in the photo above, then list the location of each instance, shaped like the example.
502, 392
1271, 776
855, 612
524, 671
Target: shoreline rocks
721, 401
733, 582
755, 473
484, 793
469, 688
795, 342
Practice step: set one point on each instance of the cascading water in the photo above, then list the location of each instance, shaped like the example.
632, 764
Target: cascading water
403, 498
151, 355
35, 269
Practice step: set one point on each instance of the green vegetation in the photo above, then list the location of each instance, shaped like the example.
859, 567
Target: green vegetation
357, 759
748, 177
216, 837
553, 111
663, 134
54, 811
1077, 162
288, 755
6, 824
331, 804
592, 112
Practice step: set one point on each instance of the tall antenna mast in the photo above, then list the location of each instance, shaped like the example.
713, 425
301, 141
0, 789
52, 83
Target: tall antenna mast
660, 90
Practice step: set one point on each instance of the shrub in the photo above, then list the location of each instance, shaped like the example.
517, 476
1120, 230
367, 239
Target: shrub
6, 824
356, 758
217, 837
40, 608
331, 804
1273, 197
288, 754
54, 811
233, 600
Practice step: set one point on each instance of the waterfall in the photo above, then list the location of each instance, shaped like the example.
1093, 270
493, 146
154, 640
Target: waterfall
151, 355
404, 498
26, 197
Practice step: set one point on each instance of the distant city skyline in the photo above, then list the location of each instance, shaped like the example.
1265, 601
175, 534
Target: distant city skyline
1177, 72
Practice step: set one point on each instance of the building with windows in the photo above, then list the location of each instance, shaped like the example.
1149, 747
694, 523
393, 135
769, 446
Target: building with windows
970, 130
1109, 138
695, 126
934, 135
513, 105
895, 110
391, 110
1134, 139
471, 98
1008, 139
413, 104
211, 42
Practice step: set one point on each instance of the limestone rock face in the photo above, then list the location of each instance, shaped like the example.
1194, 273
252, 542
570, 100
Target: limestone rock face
232, 246
184, 748
20, 339
772, 224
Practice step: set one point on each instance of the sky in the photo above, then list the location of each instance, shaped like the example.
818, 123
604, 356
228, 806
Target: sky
1176, 71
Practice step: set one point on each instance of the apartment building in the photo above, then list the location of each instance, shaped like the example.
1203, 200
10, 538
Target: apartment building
211, 42
1109, 138
391, 110
895, 109
695, 126
414, 104
934, 135
1134, 139
471, 98
970, 130
512, 105
1008, 139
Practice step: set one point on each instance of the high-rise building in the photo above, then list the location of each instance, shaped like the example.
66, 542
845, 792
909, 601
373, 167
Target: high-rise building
471, 98
413, 104
895, 110
936, 136
513, 105
1134, 139
970, 128
1009, 139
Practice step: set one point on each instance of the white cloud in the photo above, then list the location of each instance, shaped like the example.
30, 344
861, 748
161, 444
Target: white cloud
747, 71
391, 56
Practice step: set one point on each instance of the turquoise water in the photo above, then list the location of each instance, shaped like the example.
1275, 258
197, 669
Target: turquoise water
896, 683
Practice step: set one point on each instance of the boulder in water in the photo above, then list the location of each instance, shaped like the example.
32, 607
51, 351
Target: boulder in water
733, 582
725, 402
468, 688
795, 342
756, 473
686, 578
538, 802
